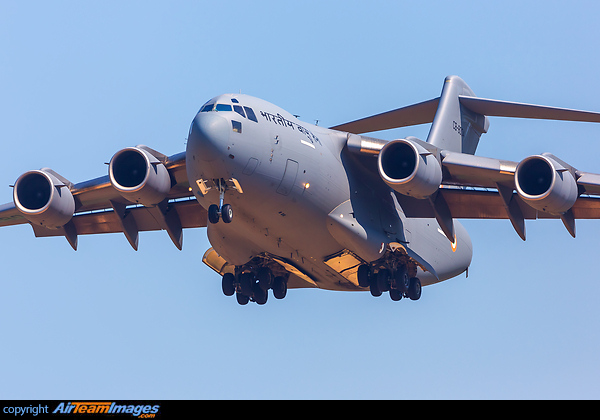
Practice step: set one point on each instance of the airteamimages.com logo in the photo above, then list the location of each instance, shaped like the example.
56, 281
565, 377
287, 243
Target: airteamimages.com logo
79, 408
142, 411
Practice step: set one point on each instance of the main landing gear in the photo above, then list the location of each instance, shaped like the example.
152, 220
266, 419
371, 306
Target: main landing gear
396, 281
254, 285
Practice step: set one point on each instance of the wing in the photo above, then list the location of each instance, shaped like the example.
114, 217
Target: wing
475, 187
99, 207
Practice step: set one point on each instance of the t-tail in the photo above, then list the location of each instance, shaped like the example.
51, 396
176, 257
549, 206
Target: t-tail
455, 127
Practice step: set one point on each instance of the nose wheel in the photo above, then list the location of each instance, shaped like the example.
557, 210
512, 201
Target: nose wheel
225, 213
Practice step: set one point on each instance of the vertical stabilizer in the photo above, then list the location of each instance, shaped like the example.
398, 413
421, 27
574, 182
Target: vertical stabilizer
456, 128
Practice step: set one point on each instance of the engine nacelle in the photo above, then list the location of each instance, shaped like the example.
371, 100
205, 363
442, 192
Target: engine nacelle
43, 199
545, 184
409, 168
139, 176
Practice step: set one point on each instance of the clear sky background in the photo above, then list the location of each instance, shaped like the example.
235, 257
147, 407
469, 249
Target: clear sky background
81, 80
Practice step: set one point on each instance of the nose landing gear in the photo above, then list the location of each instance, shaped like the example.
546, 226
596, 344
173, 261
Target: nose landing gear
221, 211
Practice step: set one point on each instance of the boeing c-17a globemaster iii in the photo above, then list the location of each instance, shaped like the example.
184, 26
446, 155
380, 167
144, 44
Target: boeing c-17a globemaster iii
288, 204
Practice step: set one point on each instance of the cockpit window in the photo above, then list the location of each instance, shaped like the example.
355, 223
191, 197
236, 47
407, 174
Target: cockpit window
223, 107
239, 110
243, 111
236, 126
250, 113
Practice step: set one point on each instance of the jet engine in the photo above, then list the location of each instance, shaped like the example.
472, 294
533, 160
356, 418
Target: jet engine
139, 176
545, 184
409, 168
43, 199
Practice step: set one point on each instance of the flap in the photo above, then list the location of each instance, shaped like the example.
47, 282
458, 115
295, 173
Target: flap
488, 204
190, 213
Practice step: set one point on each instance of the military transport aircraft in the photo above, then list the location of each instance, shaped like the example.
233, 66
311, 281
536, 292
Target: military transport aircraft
289, 204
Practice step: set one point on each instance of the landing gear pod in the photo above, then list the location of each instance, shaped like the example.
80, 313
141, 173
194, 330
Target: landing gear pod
44, 199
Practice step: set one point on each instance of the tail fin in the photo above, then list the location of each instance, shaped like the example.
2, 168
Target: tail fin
456, 128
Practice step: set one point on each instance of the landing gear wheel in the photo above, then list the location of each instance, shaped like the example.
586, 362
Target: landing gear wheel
279, 287
227, 284
383, 280
213, 214
402, 279
265, 278
414, 290
246, 282
364, 275
395, 295
260, 295
374, 289
242, 299
227, 213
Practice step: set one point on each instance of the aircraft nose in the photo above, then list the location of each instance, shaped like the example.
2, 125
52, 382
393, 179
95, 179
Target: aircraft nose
209, 137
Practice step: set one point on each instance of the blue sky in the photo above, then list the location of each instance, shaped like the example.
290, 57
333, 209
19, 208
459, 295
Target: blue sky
80, 80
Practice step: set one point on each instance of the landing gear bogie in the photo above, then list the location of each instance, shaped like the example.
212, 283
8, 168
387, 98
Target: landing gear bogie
253, 285
394, 279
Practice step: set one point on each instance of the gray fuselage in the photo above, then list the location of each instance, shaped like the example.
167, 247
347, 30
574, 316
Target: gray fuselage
305, 196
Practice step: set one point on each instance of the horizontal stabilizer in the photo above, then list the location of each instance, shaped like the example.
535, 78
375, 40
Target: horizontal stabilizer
496, 108
421, 113
424, 112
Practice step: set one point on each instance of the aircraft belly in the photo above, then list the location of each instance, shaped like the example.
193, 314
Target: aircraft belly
283, 210
301, 244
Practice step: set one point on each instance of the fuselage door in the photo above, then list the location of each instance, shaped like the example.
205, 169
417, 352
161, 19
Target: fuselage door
289, 177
